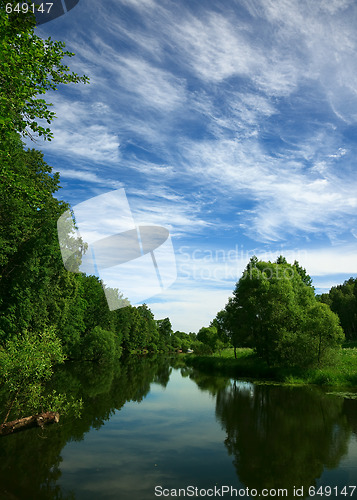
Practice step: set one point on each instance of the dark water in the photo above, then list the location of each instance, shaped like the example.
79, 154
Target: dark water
150, 423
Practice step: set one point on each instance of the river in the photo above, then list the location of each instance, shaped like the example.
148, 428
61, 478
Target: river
151, 428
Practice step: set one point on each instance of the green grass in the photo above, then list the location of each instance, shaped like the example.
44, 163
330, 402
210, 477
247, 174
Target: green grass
247, 365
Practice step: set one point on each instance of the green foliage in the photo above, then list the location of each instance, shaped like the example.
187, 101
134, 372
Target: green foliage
274, 309
228, 328
201, 349
96, 308
39, 299
343, 371
26, 198
29, 67
208, 336
247, 364
323, 328
26, 363
99, 345
342, 300
36, 292
183, 341
149, 335
164, 329
304, 276
128, 322
223, 327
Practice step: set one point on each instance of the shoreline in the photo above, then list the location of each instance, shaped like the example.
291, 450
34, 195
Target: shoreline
248, 366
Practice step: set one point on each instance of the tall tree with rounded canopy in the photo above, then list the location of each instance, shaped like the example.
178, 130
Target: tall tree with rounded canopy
273, 305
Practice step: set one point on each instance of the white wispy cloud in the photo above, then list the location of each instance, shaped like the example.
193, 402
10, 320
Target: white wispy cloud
319, 39
154, 87
180, 216
89, 176
80, 131
229, 116
288, 198
207, 276
214, 49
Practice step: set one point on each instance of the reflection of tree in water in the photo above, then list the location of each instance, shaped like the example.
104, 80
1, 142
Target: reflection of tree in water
281, 437
209, 383
30, 460
350, 410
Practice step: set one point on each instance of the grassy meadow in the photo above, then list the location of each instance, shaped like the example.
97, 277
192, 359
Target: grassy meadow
342, 373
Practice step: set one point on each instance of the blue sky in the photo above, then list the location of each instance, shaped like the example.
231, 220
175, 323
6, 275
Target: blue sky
233, 124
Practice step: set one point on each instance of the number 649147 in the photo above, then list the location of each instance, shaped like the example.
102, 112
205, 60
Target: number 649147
26, 7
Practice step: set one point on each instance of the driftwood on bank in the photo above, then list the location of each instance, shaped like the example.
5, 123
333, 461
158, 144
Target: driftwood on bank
40, 420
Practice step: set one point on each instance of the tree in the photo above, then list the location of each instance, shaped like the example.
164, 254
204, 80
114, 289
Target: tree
128, 321
39, 300
149, 333
208, 335
201, 349
36, 291
273, 307
99, 345
220, 323
96, 307
25, 366
26, 198
304, 276
183, 340
281, 260
29, 67
323, 327
343, 301
175, 342
228, 328
165, 331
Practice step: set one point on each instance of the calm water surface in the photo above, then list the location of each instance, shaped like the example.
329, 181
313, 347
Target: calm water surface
150, 423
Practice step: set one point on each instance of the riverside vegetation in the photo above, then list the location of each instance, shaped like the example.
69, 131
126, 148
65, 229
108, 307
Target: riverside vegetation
48, 315
280, 330
247, 365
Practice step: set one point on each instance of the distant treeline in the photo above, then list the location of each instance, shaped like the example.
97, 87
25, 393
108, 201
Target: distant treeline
48, 314
38, 293
342, 300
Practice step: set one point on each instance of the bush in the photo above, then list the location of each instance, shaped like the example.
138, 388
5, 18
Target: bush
99, 345
201, 349
26, 363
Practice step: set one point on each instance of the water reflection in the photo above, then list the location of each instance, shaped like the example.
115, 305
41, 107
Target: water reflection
30, 461
268, 437
281, 437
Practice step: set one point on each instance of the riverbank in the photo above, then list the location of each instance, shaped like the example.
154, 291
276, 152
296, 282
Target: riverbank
248, 365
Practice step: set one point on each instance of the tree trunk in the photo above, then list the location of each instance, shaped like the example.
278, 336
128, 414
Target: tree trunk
39, 420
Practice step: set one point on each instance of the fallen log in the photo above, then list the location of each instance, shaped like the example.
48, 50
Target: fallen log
39, 420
